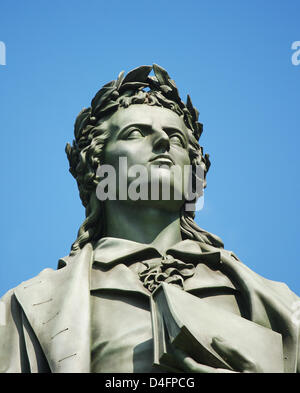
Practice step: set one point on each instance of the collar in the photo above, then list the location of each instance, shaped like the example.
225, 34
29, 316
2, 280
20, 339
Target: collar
113, 255
110, 250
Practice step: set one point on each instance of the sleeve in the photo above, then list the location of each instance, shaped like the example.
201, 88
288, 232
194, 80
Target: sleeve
13, 358
20, 351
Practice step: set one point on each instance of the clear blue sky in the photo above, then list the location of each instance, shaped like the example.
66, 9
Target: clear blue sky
233, 57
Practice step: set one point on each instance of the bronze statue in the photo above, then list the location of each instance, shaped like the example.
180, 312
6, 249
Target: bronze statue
93, 313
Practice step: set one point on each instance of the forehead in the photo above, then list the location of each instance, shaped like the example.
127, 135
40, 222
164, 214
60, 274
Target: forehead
149, 115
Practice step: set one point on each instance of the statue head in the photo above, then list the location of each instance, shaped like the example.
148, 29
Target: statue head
134, 96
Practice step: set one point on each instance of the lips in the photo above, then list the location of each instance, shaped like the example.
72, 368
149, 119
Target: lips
162, 159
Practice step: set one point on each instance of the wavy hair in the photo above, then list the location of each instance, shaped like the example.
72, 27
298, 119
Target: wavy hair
86, 152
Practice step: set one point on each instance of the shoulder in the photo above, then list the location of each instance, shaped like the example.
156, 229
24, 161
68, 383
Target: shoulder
52, 277
236, 268
281, 288
45, 273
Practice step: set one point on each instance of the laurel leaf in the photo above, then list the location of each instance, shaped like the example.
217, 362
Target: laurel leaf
120, 79
207, 160
103, 110
68, 150
101, 96
153, 83
161, 75
139, 74
132, 86
165, 89
199, 129
153, 79
172, 82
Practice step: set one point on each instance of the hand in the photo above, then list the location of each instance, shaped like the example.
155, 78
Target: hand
239, 362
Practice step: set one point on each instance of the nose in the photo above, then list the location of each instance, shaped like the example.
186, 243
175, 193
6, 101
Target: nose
161, 141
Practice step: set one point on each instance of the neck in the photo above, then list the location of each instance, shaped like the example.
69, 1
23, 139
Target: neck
142, 224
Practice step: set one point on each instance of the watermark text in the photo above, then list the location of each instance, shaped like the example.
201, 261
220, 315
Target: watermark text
296, 55
165, 182
2, 53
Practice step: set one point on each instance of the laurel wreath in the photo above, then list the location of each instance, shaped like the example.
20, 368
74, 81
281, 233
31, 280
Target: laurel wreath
135, 80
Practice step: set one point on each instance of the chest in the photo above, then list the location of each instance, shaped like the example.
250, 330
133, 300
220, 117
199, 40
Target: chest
121, 329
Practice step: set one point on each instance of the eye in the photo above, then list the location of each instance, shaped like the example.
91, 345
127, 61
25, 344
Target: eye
134, 134
177, 140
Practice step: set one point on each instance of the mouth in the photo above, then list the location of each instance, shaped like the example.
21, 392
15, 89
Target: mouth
162, 159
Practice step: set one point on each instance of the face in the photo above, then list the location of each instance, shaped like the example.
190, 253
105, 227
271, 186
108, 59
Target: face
154, 138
